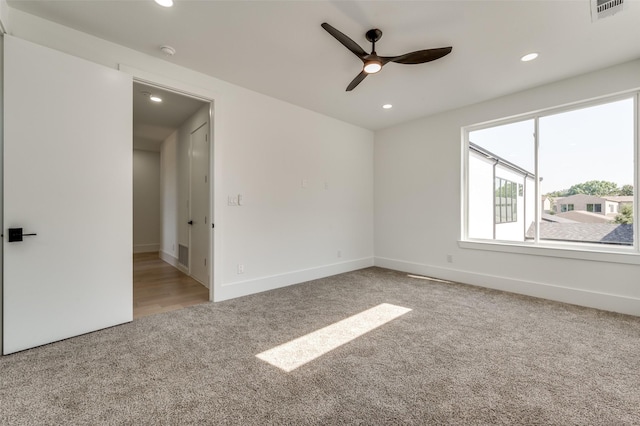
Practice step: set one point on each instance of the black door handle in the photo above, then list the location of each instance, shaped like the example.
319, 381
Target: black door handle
15, 235
190, 222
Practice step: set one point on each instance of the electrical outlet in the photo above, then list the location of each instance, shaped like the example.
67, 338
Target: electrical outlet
233, 201
240, 268
449, 258
304, 183
339, 253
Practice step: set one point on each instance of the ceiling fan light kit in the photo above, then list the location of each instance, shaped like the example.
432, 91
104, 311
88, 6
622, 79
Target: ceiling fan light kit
372, 63
372, 66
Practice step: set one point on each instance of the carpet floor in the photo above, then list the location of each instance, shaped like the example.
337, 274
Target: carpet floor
463, 355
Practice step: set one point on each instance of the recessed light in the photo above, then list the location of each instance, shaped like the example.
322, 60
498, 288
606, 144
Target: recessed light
164, 3
387, 106
155, 98
529, 57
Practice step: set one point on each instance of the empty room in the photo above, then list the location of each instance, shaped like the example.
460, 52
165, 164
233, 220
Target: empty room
413, 212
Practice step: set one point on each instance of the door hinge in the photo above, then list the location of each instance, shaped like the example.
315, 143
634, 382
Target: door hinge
205, 261
205, 220
212, 226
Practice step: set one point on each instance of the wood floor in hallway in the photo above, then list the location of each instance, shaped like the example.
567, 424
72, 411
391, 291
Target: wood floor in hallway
159, 287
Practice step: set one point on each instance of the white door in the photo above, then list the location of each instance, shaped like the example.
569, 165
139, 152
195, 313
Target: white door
199, 186
67, 178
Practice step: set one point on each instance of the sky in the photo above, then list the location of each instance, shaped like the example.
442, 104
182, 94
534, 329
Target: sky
594, 143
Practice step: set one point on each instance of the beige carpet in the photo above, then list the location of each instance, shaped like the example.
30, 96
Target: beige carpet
462, 355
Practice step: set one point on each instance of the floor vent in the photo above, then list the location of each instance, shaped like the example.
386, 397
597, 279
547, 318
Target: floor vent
183, 255
603, 8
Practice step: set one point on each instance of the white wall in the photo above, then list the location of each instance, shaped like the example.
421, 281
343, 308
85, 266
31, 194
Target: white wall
481, 197
420, 161
169, 199
263, 149
146, 201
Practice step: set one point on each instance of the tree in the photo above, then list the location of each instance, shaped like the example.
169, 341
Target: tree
626, 214
558, 194
626, 190
598, 188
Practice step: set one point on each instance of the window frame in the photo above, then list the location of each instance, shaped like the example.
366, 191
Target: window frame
577, 250
511, 207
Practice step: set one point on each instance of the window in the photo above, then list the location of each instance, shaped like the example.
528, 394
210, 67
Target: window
595, 208
506, 200
569, 156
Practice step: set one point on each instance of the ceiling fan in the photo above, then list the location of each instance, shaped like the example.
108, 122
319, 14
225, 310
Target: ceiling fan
374, 63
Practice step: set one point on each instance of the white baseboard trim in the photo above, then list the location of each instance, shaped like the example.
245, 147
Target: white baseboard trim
258, 285
173, 261
169, 258
146, 248
574, 296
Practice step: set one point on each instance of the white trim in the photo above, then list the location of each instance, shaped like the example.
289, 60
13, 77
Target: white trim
258, 285
591, 252
146, 248
590, 299
169, 258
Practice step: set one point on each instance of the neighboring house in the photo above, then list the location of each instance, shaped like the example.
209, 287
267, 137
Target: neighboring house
606, 205
503, 197
620, 200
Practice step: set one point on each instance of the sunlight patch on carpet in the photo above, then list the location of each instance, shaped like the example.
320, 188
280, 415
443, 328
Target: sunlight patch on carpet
302, 350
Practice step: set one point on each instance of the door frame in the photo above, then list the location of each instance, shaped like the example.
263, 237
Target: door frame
214, 99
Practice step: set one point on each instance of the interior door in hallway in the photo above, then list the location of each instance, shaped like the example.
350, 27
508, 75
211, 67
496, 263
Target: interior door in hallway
199, 202
67, 178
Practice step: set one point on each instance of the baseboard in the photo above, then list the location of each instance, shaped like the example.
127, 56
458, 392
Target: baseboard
590, 299
258, 285
169, 258
146, 248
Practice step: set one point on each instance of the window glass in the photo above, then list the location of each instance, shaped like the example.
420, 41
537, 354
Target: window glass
500, 179
584, 163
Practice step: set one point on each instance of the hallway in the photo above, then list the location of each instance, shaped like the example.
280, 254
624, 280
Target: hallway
159, 287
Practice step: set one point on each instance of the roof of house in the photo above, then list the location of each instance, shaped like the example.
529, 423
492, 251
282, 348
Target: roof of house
555, 218
604, 233
614, 198
585, 216
490, 155
619, 198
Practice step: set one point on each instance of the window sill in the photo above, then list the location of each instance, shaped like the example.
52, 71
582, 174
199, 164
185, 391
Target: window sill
589, 252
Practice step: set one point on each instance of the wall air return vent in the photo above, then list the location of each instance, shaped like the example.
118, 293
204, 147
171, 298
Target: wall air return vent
604, 8
183, 255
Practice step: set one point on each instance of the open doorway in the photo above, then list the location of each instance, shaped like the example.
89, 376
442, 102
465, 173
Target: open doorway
171, 187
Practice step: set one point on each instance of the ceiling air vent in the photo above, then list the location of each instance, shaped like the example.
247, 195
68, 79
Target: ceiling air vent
603, 8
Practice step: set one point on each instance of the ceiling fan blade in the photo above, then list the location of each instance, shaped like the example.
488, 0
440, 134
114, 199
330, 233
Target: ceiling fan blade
356, 81
346, 41
419, 57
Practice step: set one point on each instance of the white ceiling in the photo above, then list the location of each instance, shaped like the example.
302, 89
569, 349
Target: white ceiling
278, 47
154, 122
